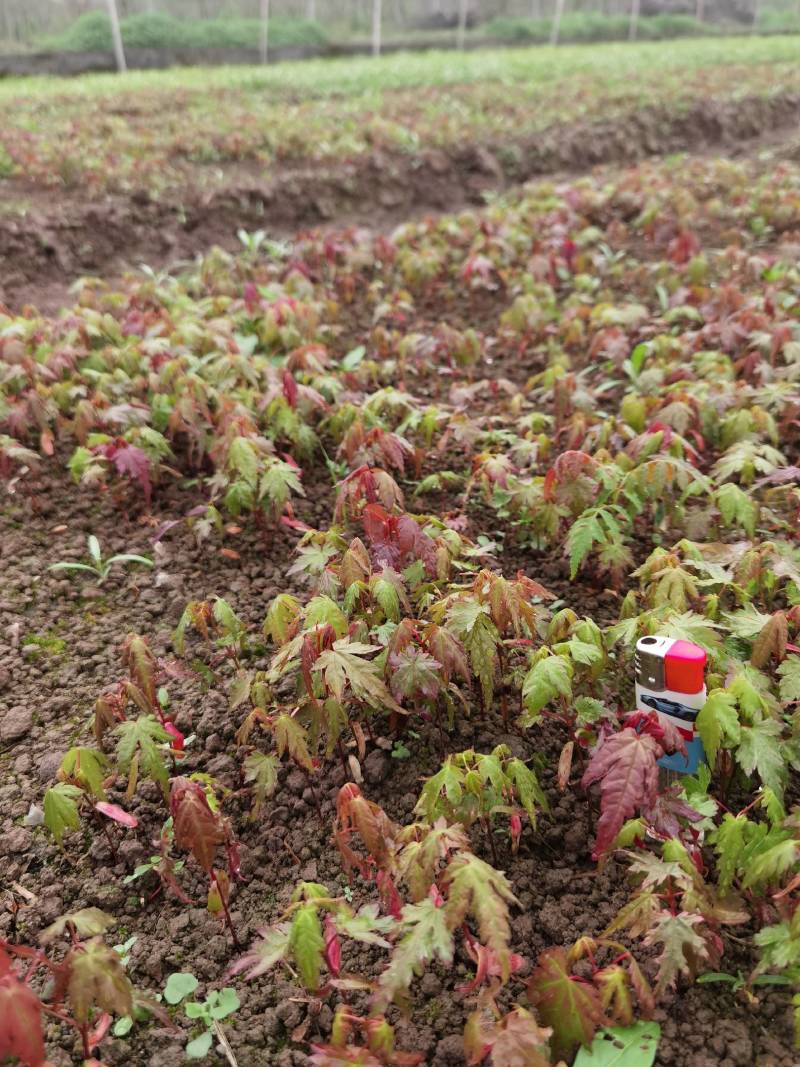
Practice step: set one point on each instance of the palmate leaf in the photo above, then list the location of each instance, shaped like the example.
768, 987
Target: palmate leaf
760, 750
142, 666
729, 840
780, 945
426, 935
770, 866
290, 737
97, 979
548, 678
88, 922
86, 767
718, 722
571, 1007
306, 945
516, 1040
282, 618
61, 809
526, 785
197, 828
789, 672
365, 926
472, 624
261, 769
736, 507
420, 856
344, 664
271, 948
442, 792
21, 1036
683, 948
414, 675
278, 482
138, 753
625, 765
477, 889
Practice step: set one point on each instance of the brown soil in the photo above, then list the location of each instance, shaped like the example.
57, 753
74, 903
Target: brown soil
51, 238
560, 891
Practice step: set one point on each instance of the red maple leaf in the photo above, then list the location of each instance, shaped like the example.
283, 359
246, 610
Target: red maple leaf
20, 1019
625, 766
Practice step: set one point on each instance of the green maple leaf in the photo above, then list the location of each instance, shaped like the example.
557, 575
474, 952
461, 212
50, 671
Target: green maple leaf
324, 611
760, 750
243, 459
683, 948
388, 598
571, 1007
718, 721
88, 922
470, 620
780, 945
477, 889
262, 770
291, 737
529, 793
87, 767
138, 752
426, 936
344, 664
442, 792
583, 533
306, 945
736, 507
414, 674
729, 841
771, 865
271, 948
548, 678
61, 809
278, 482
366, 926
789, 671
97, 979
281, 618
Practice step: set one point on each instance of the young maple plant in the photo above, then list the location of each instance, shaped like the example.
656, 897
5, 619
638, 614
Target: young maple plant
83, 989
201, 830
626, 766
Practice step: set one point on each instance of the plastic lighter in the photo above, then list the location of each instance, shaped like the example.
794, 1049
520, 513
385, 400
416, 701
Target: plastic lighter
670, 679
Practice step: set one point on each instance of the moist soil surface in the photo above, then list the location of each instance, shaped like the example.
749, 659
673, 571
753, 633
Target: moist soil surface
49, 238
60, 639
61, 650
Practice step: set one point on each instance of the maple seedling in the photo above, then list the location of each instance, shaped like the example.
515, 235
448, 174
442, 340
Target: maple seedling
81, 785
307, 938
100, 567
473, 787
86, 987
200, 829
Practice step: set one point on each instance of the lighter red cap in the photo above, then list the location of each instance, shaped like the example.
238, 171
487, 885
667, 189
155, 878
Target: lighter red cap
686, 664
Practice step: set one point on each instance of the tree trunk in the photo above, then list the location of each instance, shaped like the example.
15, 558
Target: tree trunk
263, 34
116, 36
634, 23
462, 24
311, 10
376, 27
700, 10
556, 27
